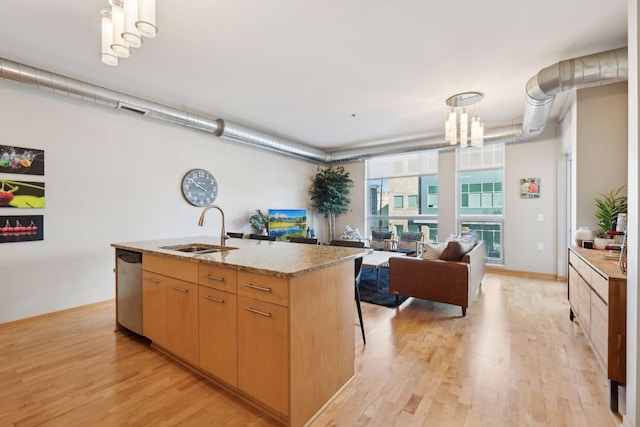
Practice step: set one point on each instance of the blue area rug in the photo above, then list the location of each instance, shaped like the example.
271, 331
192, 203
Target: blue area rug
368, 292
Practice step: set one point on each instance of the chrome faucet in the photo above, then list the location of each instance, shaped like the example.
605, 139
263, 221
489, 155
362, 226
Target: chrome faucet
223, 233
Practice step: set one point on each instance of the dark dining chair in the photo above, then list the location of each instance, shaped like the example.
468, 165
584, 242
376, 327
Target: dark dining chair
358, 272
235, 235
308, 240
262, 237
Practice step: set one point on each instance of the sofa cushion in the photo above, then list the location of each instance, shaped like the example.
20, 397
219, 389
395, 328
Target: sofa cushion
432, 250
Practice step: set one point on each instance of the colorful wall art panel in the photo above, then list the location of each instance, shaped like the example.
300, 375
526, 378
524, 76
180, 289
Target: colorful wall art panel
21, 160
530, 188
21, 194
23, 228
287, 223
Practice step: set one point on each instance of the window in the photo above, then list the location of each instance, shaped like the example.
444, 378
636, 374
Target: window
480, 181
391, 180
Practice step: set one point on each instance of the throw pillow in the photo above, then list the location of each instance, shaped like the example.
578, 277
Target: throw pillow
432, 250
451, 252
465, 245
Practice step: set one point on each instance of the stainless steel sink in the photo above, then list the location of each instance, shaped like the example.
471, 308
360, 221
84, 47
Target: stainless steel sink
197, 248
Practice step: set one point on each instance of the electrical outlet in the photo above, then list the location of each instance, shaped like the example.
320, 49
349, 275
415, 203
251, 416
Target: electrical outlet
540, 217
540, 246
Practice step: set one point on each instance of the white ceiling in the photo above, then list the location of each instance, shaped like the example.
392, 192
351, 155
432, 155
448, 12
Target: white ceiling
329, 74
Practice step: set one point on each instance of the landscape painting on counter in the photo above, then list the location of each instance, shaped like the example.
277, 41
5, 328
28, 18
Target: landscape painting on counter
25, 228
287, 223
21, 194
21, 160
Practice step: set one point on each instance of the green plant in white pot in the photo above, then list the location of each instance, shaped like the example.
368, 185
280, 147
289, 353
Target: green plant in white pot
609, 206
259, 221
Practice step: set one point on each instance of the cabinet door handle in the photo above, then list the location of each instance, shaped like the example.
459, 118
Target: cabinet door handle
210, 298
154, 281
219, 279
256, 287
261, 313
175, 288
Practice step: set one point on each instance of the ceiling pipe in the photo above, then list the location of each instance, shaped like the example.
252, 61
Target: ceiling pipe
541, 89
577, 73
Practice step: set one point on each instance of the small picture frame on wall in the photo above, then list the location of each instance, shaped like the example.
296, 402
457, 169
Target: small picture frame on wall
29, 161
530, 188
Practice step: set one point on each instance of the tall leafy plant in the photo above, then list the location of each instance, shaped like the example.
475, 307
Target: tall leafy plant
329, 194
609, 206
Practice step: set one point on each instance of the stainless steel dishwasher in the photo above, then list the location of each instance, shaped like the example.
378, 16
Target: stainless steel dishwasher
129, 289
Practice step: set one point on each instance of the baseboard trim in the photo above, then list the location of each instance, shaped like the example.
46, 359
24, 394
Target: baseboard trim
18, 322
520, 273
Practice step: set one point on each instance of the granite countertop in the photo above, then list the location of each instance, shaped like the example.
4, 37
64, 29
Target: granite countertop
283, 259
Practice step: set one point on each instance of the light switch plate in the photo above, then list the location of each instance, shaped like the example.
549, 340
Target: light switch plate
540, 217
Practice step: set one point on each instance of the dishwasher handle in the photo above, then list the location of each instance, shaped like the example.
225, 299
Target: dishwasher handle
129, 257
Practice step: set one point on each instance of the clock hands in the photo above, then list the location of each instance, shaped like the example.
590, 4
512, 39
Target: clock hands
191, 180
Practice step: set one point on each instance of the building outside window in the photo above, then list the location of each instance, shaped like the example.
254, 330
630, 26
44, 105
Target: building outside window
479, 183
391, 180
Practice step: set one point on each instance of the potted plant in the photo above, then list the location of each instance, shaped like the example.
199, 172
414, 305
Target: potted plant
329, 190
609, 206
259, 221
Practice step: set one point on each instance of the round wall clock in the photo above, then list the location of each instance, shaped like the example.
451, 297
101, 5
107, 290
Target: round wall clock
199, 187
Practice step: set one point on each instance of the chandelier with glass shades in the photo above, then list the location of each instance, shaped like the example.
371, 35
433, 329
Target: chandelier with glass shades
458, 129
124, 24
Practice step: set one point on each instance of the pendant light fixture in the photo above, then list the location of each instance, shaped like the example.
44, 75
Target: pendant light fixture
457, 128
107, 54
124, 24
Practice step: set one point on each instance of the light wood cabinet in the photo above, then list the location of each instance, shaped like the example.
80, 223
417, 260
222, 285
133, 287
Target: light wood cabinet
182, 319
218, 334
263, 352
154, 308
284, 343
597, 292
170, 305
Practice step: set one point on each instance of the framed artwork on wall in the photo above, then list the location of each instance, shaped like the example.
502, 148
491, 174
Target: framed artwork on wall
22, 228
530, 188
21, 194
28, 161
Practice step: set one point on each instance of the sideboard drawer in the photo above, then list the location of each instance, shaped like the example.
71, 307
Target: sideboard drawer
601, 286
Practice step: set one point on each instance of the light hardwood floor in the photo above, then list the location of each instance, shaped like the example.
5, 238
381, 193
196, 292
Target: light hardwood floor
514, 360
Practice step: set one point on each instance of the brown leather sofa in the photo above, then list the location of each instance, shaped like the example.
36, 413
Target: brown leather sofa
451, 282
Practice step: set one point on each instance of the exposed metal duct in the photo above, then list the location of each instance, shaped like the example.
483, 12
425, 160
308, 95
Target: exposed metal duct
67, 86
577, 73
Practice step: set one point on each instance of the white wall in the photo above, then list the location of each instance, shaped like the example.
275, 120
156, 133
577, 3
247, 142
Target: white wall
112, 176
523, 230
600, 153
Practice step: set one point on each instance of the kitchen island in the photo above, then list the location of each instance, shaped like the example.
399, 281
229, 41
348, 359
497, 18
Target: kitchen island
271, 322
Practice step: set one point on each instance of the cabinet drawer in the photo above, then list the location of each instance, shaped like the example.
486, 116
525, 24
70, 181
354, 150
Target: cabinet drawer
180, 269
599, 328
573, 259
213, 276
601, 286
584, 269
264, 288
584, 296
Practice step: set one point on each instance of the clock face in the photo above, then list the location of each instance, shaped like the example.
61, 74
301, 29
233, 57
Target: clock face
199, 187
